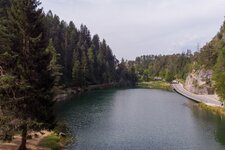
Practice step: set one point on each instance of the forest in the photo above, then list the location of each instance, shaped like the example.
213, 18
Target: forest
84, 60
40, 53
168, 67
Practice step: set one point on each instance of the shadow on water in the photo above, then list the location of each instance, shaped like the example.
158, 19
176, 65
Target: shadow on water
211, 118
86, 99
81, 110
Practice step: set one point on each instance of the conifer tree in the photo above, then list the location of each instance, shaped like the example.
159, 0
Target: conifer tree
76, 71
26, 95
54, 67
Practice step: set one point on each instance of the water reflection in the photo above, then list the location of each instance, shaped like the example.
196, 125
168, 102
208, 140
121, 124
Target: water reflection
213, 119
140, 119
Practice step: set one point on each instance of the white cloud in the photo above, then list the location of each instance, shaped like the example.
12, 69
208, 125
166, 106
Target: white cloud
134, 27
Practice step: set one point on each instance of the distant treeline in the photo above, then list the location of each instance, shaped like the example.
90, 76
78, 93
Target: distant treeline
177, 66
167, 67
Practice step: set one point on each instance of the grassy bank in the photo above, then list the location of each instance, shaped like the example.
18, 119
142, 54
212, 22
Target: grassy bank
55, 141
155, 85
51, 142
214, 109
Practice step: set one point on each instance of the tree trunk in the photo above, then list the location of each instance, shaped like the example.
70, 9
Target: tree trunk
24, 138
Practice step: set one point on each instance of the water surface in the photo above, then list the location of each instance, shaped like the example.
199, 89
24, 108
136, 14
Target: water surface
140, 119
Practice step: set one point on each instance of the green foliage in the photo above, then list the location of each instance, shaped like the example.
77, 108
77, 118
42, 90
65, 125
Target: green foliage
6, 81
207, 57
54, 67
39, 53
167, 67
85, 59
145, 76
126, 73
219, 72
26, 81
212, 56
169, 76
216, 110
76, 72
51, 142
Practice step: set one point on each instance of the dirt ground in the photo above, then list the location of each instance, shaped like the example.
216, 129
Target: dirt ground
32, 144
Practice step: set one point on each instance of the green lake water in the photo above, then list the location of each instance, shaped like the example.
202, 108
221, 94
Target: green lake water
140, 119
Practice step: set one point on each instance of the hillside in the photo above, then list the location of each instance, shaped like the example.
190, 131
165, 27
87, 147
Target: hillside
202, 72
207, 74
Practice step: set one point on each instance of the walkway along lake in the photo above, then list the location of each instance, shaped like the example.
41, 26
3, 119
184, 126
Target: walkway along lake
140, 119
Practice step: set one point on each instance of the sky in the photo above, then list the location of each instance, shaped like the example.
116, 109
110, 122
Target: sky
142, 27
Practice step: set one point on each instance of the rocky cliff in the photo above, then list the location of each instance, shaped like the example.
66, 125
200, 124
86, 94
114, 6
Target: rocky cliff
200, 82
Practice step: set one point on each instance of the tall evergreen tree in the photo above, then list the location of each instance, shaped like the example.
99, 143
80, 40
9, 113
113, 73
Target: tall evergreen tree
26, 94
92, 61
95, 48
72, 43
76, 71
54, 67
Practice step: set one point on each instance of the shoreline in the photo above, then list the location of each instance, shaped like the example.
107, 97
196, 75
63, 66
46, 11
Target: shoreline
212, 104
206, 99
75, 91
212, 108
66, 93
163, 85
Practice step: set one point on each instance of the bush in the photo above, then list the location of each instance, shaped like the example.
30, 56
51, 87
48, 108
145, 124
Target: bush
51, 142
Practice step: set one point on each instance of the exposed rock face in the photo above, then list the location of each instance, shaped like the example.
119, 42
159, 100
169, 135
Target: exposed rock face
199, 82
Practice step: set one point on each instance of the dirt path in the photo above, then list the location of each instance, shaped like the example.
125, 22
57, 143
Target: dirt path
32, 144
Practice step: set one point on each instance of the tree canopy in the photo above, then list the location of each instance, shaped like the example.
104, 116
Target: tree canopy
38, 53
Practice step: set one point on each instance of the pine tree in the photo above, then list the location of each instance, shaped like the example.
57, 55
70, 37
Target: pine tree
26, 95
91, 58
54, 67
72, 43
95, 66
85, 68
76, 71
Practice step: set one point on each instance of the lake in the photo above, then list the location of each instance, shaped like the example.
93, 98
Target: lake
140, 119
